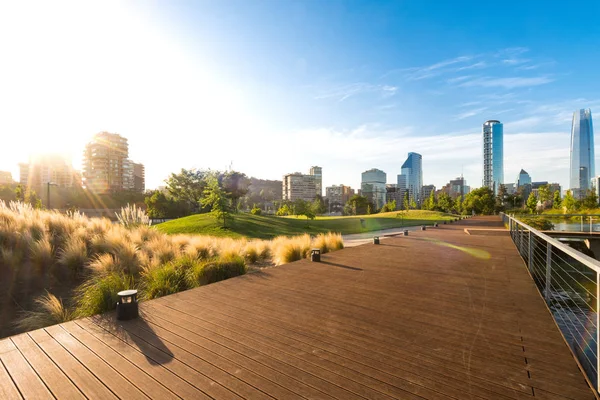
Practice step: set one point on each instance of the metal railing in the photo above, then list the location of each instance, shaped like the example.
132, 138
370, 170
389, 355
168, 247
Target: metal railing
568, 281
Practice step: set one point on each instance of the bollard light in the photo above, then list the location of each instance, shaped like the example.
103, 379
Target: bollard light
375, 239
406, 232
435, 225
127, 306
315, 255
423, 227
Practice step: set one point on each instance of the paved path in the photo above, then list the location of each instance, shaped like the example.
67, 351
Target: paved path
438, 314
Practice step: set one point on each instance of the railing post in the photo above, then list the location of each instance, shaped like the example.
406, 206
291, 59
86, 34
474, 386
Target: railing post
548, 271
591, 229
582, 223
530, 252
598, 331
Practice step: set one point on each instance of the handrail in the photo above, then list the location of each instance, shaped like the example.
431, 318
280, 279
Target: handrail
582, 258
562, 275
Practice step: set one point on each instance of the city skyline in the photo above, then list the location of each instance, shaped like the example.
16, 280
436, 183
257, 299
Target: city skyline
350, 84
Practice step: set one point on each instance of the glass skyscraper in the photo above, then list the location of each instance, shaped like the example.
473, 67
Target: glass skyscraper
411, 177
493, 154
582, 153
373, 186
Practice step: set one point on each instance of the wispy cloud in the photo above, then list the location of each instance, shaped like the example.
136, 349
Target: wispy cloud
508, 83
515, 61
436, 69
471, 113
459, 79
343, 92
477, 65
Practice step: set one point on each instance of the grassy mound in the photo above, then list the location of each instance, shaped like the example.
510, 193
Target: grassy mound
268, 227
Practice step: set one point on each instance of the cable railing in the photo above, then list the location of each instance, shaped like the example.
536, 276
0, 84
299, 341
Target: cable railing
568, 281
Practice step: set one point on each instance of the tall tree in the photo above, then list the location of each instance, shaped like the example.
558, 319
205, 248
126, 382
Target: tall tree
458, 205
236, 185
590, 201
557, 202
445, 202
532, 202
544, 194
188, 186
479, 201
216, 199
569, 203
431, 202
359, 204
406, 201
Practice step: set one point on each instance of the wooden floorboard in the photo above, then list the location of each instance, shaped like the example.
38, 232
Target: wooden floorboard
439, 314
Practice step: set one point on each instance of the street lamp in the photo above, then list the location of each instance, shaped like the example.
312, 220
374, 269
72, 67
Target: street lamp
48, 191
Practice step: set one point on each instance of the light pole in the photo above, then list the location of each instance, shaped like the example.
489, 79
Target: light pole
48, 191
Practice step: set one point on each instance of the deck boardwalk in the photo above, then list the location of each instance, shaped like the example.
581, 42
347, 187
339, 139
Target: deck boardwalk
438, 314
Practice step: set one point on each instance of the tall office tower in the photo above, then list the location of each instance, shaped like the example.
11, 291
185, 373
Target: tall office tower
582, 153
372, 186
317, 172
493, 154
412, 173
106, 166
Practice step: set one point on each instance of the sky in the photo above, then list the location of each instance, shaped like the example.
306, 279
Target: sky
276, 86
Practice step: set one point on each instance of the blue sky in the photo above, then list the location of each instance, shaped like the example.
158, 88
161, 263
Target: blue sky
277, 86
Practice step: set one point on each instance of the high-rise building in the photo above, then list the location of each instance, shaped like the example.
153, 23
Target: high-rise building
456, 187
411, 177
106, 166
426, 191
139, 177
582, 153
47, 168
373, 186
394, 193
317, 172
298, 186
338, 196
493, 154
523, 179
5, 178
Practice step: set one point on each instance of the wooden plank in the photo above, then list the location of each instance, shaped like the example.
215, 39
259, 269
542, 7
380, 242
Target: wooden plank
28, 382
144, 382
115, 382
87, 383
53, 377
173, 382
8, 390
207, 385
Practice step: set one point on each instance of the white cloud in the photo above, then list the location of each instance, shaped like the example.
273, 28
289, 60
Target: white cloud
508, 83
471, 113
477, 65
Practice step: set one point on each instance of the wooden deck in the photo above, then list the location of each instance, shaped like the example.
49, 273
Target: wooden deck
438, 314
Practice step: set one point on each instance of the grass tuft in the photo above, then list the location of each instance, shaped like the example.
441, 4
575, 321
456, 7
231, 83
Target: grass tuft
50, 311
99, 294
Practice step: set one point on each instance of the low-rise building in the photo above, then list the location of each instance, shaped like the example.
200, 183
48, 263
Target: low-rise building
5, 178
48, 168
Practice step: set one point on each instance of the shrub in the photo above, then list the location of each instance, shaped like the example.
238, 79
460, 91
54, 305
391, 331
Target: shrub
50, 311
334, 241
73, 256
216, 270
41, 255
132, 216
162, 281
99, 294
256, 211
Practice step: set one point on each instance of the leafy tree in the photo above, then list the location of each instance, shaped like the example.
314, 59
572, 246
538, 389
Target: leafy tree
216, 198
358, 204
544, 194
569, 203
318, 205
480, 201
389, 206
557, 202
20, 193
501, 198
413, 204
590, 201
431, 202
458, 205
406, 202
236, 184
302, 207
532, 202
445, 202
188, 186
158, 206
285, 209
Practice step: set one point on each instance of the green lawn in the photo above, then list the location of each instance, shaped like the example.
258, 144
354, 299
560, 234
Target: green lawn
267, 227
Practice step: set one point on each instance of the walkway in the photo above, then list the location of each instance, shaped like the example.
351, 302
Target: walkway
438, 314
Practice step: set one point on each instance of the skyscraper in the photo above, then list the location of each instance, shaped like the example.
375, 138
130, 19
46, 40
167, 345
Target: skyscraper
373, 186
411, 177
317, 172
106, 166
493, 154
582, 153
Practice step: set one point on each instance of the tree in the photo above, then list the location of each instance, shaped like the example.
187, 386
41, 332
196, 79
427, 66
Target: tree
430, 203
590, 201
318, 205
569, 203
445, 202
389, 206
479, 201
216, 199
413, 204
406, 202
556, 202
236, 184
158, 205
188, 186
284, 210
532, 202
255, 210
544, 194
501, 198
458, 205
302, 207
358, 204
